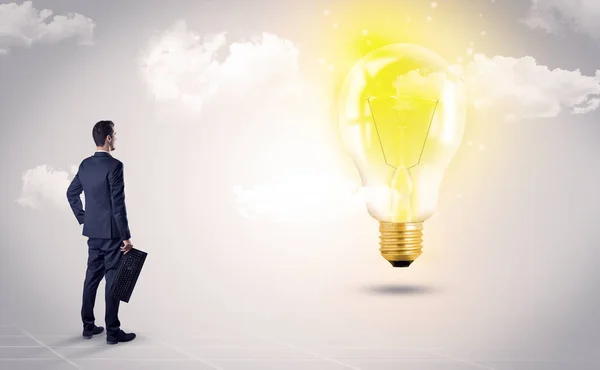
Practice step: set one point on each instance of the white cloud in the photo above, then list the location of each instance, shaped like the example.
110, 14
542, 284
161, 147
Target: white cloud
524, 89
22, 25
592, 105
518, 87
554, 15
207, 76
43, 186
183, 70
252, 83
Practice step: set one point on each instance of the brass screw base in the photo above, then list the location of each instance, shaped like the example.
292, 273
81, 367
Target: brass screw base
401, 243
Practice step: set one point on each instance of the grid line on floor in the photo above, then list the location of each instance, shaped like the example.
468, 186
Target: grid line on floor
49, 349
430, 351
312, 353
349, 360
190, 355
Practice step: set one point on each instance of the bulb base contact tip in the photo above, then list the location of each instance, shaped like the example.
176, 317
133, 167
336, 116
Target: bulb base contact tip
401, 242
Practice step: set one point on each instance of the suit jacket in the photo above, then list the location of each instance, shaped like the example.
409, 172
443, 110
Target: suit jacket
100, 178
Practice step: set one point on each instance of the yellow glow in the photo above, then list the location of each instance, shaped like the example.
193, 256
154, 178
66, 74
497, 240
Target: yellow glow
402, 118
365, 27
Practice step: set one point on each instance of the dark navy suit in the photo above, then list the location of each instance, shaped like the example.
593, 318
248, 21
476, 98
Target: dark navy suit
100, 178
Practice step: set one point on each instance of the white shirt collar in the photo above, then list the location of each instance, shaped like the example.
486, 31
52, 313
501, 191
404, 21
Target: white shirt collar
102, 150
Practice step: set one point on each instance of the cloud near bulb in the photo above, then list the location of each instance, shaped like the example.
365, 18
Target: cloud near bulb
527, 90
557, 16
186, 76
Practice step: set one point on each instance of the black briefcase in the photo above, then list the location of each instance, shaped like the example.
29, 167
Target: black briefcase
127, 274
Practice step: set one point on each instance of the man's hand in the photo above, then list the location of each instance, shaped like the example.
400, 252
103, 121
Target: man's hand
126, 247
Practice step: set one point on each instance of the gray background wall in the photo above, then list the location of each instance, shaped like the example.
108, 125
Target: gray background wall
509, 262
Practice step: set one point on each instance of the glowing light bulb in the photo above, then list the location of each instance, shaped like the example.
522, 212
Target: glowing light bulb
402, 113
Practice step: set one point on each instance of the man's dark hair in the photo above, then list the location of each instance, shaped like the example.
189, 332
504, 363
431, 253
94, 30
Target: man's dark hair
101, 130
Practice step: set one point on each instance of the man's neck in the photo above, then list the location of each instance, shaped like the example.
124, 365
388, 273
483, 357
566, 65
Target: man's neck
101, 149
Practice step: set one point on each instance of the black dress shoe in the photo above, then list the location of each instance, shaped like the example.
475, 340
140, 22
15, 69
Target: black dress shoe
88, 334
120, 336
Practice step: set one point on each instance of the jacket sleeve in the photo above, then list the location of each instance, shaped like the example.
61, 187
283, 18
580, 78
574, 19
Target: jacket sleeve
117, 198
74, 197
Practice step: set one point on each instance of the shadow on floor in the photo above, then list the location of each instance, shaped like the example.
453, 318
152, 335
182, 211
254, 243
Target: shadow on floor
398, 289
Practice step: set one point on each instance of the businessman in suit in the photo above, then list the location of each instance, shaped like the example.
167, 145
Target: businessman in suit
100, 178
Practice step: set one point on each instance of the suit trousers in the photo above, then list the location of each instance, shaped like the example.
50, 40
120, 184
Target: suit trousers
104, 256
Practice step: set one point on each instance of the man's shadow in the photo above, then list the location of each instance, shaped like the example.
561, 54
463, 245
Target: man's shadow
83, 348
398, 289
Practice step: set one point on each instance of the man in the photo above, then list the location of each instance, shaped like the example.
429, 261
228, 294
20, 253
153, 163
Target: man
105, 224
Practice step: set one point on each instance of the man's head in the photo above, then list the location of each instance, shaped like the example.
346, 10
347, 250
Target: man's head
104, 135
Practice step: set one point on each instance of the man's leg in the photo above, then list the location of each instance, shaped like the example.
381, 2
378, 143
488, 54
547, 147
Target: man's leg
112, 257
93, 276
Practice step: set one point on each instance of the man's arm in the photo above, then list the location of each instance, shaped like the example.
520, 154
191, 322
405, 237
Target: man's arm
73, 195
117, 197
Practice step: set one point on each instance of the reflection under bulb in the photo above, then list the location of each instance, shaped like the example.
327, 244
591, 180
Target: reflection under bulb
402, 113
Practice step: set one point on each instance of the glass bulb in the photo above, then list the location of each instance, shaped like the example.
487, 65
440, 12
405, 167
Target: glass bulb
402, 113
